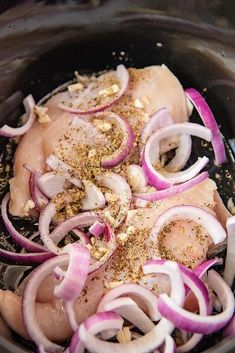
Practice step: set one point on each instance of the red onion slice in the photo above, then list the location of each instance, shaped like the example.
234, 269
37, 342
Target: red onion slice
197, 323
143, 294
196, 214
95, 324
37, 196
69, 172
94, 198
229, 271
174, 190
26, 258
127, 141
158, 120
84, 219
119, 187
209, 121
169, 346
122, 76
75, 276
182, 154
50, 184
29, 105
230, 328
201, 269
28, 302
129, 310
73, 280
97, 229
151, 155
151, 340
161, 119
16, 236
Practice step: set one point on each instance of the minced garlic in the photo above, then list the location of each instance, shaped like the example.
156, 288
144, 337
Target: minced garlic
109, 217
138, 104
102, 125
122, 237
28, 206
42, 115
92, 153
76, 87
124, 335
109, 91
110, 197
113, 284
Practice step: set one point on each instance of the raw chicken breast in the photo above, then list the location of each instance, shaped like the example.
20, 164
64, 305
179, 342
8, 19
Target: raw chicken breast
152, 88
125, 264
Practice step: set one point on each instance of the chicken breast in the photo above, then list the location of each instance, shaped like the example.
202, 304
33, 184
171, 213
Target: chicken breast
150, 89
124, 266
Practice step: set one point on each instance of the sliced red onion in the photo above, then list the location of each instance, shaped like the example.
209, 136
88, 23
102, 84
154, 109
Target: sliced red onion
26, 258
127, 140
169, 346
97, 229
84, 219
16, 236
37, 196
28, 302
209, 121
136, 177
75, 277
50, 184
191, 322
158, 120
193, 213
174, 190
201, 269
29, 105
51, 240
73, 280
171, 269
182, 154
229, 270
85, 239
94, 198
229, 330
151, 340
129, 310
204, 302
161, 119
151, 155
118, 186
142, 293
95, 324
69, 172
122, 76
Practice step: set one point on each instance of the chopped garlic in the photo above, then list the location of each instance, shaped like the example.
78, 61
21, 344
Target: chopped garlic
98, 253
42, 115
109, 217
110, 197
145, 100
102, 125
92, 153
124, 335
231, 206
131, 230
122, 237
138, 104
114, 284
109, 91
75, 87
28, 206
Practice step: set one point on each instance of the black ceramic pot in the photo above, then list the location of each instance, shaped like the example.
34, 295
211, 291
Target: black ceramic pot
43, 42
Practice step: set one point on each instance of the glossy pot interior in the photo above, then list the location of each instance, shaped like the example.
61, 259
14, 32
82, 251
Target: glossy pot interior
43, 43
